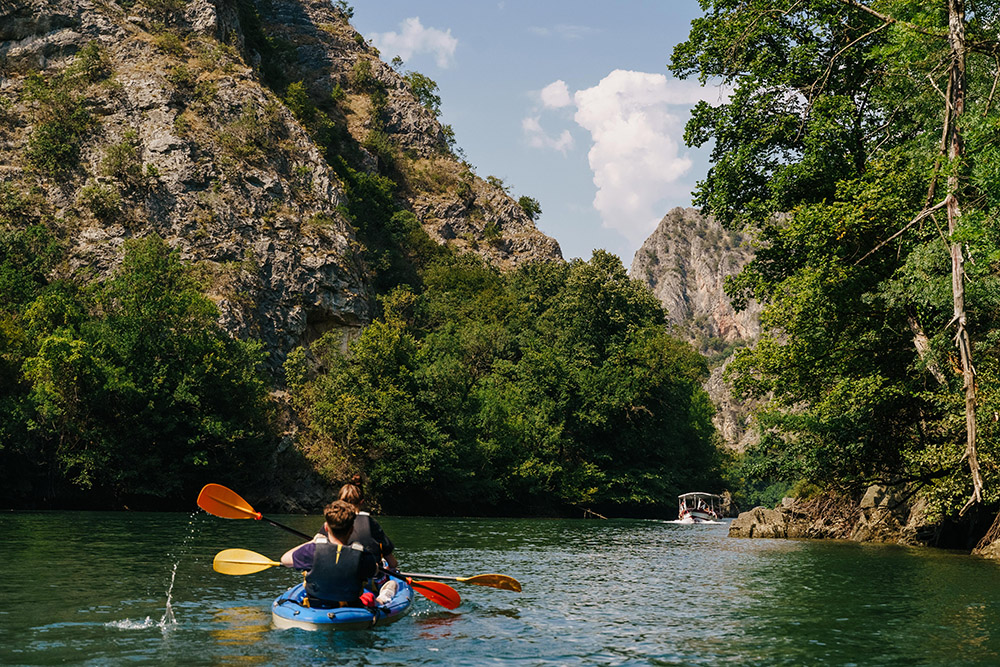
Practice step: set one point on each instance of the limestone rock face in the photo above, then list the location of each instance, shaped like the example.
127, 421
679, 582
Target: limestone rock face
454, 205
759, 522
186, 141
248, 218
884, 514
685, 262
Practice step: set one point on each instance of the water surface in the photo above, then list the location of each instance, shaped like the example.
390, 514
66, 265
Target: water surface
99, 588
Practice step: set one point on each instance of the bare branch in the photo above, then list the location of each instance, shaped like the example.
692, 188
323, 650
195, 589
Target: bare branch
829, 68
923, 214
996, 77
890, 19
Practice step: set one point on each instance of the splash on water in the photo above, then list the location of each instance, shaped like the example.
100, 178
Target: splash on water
168, 615
696, 523
168, 620
129, 624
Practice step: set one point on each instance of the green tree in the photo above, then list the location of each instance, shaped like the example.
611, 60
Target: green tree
134, 390
551, 387
530, 206
425, 90
852, 129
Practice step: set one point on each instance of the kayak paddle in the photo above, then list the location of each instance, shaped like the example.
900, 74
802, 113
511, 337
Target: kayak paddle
244, 561
226, 503
241, 561
501, 581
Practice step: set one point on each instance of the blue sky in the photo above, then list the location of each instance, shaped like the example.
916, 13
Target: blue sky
569, 102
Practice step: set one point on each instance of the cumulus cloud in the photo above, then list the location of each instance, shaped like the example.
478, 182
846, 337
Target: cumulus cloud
413, 38
556, 95
538, 138
636, 155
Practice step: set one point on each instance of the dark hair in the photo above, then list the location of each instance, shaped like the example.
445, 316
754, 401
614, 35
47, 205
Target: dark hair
351, 492
340, 517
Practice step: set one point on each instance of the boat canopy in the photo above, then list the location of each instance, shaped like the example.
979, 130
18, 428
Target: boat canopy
698, 494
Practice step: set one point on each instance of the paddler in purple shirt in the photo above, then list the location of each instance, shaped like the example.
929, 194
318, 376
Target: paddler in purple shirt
336, 567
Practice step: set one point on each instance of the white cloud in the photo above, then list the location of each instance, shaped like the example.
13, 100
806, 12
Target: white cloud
636, 155
414, 38
556, 95
537, 137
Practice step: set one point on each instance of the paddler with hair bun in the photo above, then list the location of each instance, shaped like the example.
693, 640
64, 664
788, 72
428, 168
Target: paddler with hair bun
370, 535
367, 531
335, 566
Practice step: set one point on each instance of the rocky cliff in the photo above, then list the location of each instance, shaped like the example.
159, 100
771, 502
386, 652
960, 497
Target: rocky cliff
685, 262
123, 119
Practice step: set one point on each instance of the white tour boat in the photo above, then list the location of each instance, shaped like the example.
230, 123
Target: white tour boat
698, 507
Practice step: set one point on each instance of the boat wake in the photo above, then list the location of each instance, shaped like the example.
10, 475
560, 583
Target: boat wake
696, 523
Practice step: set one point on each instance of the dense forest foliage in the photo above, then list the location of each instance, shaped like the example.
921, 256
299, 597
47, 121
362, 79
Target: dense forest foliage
553, 386
121, 391
860, 143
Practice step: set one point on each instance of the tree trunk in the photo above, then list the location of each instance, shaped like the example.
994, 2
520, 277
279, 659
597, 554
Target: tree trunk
956, 101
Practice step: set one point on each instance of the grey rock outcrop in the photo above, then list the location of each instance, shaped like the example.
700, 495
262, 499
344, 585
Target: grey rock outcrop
759, 522
273, 251
884, 514
685, 263
453, 205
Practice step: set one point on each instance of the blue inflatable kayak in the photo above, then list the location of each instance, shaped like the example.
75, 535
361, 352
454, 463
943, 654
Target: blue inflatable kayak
287, 611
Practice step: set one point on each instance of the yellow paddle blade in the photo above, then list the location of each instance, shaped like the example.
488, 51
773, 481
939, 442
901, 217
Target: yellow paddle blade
501, 581
226, 503
241, 561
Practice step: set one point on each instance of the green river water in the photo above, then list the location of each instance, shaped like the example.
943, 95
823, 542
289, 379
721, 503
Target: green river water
138, 588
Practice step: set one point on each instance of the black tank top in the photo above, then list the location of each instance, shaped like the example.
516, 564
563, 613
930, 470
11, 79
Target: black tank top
362, 533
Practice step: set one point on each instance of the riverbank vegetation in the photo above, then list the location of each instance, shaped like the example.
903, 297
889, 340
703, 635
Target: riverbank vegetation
551, 387
548, 388
124, 391
859, 144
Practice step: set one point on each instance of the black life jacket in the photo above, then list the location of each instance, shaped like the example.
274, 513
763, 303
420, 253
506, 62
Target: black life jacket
334, 577
363, 533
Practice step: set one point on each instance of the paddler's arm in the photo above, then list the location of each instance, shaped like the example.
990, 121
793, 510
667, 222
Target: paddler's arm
299, 557
286, 558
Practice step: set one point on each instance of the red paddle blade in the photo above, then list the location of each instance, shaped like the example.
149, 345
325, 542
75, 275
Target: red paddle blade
226, 503
435, 591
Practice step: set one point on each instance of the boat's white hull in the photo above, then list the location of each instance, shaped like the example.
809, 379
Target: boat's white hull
696, 516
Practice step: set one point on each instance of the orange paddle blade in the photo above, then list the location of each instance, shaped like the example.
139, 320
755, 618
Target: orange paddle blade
435, 591
226, 503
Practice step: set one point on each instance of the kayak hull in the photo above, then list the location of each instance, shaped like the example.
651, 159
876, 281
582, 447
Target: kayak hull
288, 612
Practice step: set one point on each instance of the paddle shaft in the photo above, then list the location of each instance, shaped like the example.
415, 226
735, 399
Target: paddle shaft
436, 577
288, 528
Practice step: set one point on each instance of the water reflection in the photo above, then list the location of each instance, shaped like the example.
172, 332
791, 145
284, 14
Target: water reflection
436, 626
240, 625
